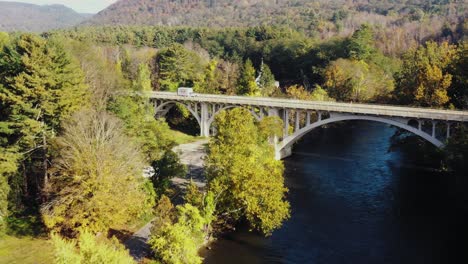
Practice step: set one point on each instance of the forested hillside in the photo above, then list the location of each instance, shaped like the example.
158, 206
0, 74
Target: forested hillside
354, 68
35, 18
414, 21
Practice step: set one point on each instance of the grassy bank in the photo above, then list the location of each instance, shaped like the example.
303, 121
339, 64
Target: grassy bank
182, 138
25, 250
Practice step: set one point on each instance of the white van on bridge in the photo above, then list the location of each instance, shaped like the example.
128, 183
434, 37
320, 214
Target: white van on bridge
185, 91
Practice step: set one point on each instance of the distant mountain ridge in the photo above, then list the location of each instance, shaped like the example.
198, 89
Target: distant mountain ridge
16, 16
304, 14
212, 13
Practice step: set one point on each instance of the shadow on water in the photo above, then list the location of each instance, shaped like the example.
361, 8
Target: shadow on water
353, 201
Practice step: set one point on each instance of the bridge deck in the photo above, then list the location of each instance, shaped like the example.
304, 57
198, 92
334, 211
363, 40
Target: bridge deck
369, 109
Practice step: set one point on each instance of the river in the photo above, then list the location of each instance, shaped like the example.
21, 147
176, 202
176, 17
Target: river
352, 201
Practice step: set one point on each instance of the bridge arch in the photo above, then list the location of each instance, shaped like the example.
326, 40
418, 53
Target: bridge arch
288, 141
258, 117
162, 109
204, 114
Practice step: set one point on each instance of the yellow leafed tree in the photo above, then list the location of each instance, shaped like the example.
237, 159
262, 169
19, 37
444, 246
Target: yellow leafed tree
96, 179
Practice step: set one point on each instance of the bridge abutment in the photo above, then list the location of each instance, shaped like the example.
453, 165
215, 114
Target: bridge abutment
204, 121
282, 153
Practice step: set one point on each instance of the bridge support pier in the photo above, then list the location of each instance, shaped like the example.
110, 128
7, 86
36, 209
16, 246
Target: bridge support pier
282, 153
204, 120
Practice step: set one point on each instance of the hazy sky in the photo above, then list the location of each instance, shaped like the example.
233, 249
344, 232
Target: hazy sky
82, 6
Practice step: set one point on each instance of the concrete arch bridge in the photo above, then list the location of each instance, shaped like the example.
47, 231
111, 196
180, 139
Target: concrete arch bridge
300, 117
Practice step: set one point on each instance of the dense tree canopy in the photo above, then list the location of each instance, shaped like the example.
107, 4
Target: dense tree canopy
243, 174
41, 84
40, 87
96, 180
89, 248
361, 44
425, 78
458, 91
358, 81
178, 243
177, 67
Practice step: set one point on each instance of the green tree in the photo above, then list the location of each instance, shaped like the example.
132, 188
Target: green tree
97, 178
177, 66
153, 136
320, 94
166, 168
361, 45
246, 84
243, 174
424, 78
4, 39
193, 195
165, 214
203, 201
143, 79
40, 86
8, 166
300, 93
88, 249
210, 82
179, 243
358, 81
266, 82
458, 91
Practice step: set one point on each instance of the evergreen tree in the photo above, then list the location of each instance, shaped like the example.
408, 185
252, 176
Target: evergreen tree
246, 84
8, 166
40, 86
177, 67
266, 81
361, 45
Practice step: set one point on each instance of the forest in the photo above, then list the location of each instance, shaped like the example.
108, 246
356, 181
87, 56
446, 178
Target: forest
75, 137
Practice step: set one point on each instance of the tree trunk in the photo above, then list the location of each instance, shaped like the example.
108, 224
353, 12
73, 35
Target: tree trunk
45, 165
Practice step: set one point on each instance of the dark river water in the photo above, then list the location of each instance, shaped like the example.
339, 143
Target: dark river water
353, 201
